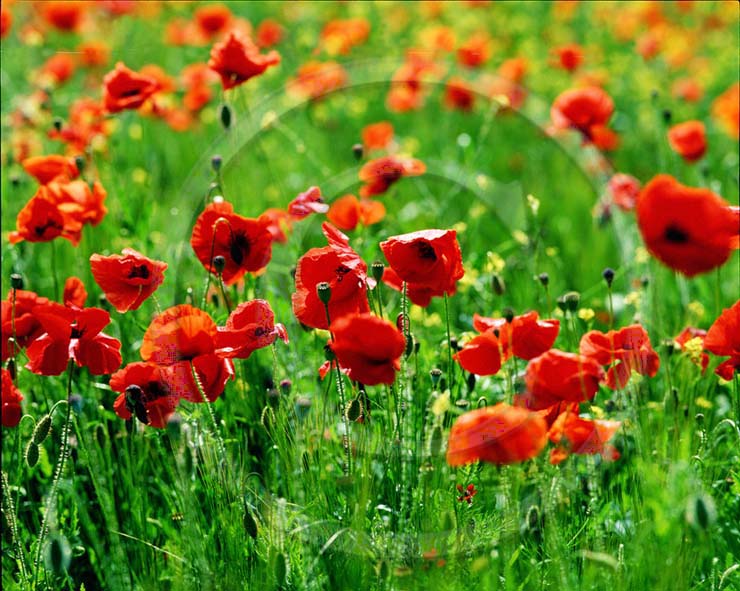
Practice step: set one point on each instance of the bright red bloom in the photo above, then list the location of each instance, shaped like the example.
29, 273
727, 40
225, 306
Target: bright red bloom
6, 20
368, 347
279, 224
583, 109
624, 190
687, 89
379, 174
344, 271
51, 168
459, 95
125, 89
212, 19
306, 203
348, 211
688, 140
500, 434
689, 334
78, 201
690, 230
237, 59
94, 53
557, 376
41, 221
152, 402
317, 79
574, 435
269, 33
526, 336
250, 327
245, 243
183, 339
127, 280
11, 401
723, 338
377, 136
625, 350
570, 57
27, 326
57, 69
481, 355
73, 333
417, 293
476, 51
65, 15
428, 258
75, 293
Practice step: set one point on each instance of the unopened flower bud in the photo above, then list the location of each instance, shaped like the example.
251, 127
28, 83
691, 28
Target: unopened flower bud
80, 163
544, 279
225, 116
16, 281
608, 275
358, 151
435, 374
58, 122
497, 284
216, 162
219, 264
508, 315
42, 430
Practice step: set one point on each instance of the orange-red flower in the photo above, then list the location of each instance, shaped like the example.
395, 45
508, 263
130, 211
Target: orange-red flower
245, 243
688, 140
77, 200
416, 293
726, 110
500, 434
481, 355
46, 169
196, 78
526, 336
341, 35
212, 19
27, 326
125, 89
691, 230
368, 347
379, 174
691, 333
574, 435
127, 280
306, 203
317, 79
145, 393
65, 15
625, 350
476, 51
624, 190
459, 94
556, 376
75, 293
41, 220
348, 211
6, 20
279, 223
687, 89
269, 33
570, 57
723, 339
58, 69
584, 109
377, 136
11, 401
250, 326
94, 53
237, 59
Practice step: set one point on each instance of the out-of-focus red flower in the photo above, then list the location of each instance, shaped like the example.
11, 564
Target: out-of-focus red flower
94, 53
212, 19
279, 223
150, 400
526, 336
476, 51
438, 38
348, 211
86, 121
407, 87
574, 435
379, 174
197, 78
691, 333
368, 347
687, 89
624, 190
269, 33
428, 258
165, 82
27, 326
726, 110
75, 293
73, 333
58, 68
127, 280
688, 140
250, 326
570, 57
691, 230
46, 169
306, 203
11, 401
514, 69
6, 20
125, 89
41, 220
583, 109
182, 338
344, 271
556, 376
459, 95
340, 36
317, 79
377, 136
500, 434
648, 45
65, 15
723, 339
245, 243
604, 138
481, 355
625, 350
237, 59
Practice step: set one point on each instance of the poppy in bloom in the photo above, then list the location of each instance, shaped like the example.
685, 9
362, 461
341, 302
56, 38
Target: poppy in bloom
27, 326
144, 393
182, 338
317, 79
11, 401
481, 355
6, 20
73, 334
348, 211
77, 200
306, 203
428, 258
417, 293
85, 122
65, 15
379, 174
691, 341
377, 136
688, 140
475, 52
250, 326
75, 293
46, 169
269, 33
280, 222
196, 79
525, 336
687, 89
344, 271
624, 190
570, 57
726, 110
94, 53
625, 350
125, 89
128, 279
691, 230
237, 59
245, 243
41, 220
557, 376
368, 347
212, 19
57, 69
584, 109
723, 339
459, 95
500, 434
574, 435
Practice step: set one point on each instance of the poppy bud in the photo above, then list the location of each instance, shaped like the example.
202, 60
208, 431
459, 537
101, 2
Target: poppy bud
354, 410
358, 151
377, 269
701, 512
216, 162
302, 407
225, 116
409, 345
11, 367
42, 430
435, 374
16, 281
497, 284
57, 123
569, 301
608, 275
471, 382
15, 180
667, 115
509, 315
453, 344
174, 426
57, 554
323, 290
285, 387
32, 454
219, 263
273, 397
80, 163
103, 301
462, 403
544, 279
250, 524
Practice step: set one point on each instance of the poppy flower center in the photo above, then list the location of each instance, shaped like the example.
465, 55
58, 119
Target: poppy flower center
239, 248
675, 235
131, 92
139, 272
426, 251
341, 271
41, 230
77, 332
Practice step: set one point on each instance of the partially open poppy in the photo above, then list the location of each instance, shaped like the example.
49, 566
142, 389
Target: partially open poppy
583, 109
574, 435
250, 326
500, 434
128, 279
556, 376
349, 211
11, 401
379, 174
525, 336
306, 203
723, 339
144, 393
237, 59
75, 293
41, 220
688, 140
125, 89
50, 168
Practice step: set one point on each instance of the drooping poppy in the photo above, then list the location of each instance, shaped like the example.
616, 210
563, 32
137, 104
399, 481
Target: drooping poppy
584, 109
688, 140
128, 279
349, 211
345, 272
500, 434
691, 341
75, 293
575, 435
50, 168
723, 339
11, 401
125, 89
557, 376
237, 59
41, 220
691, 230
525, 336
250, 326
73, 334
27, 326
150, 398
379, 174
244, 243
481, 355
377, 136
368, 347
624, 190
306, 203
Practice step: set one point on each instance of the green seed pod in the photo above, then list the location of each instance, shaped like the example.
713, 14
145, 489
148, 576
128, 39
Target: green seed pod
323, 290
225, 116
498, 285
42, 430
354, 410
16, 281
701, 512
377, 269
57, 554
32, 454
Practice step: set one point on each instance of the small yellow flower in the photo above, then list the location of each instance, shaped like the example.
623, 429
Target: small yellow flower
632, 298
641, 255
702, 402
696, 311
208, 115
520, 237
551, 251
494, 263
693, 348
586, 314
534, 203
460, 227
441, 404
139, 176
268, 119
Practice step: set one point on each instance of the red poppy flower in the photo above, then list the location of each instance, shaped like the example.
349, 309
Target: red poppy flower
65, 15
73, 333
368, 347
481, 355
500, 434
624, 190
94, 53
377, 136
344, 271
79, 201
11, 401
574, 435
237, 59
151, 402
726, 110
212, 19
317, 79
476, 51
250, 327
582, 109
348, 211
417, 293
691, 333
183, 338
688, 140
459, 95
6, 20
428, 258
196, 79
269, 33
245, 243
27, 326
341, 35
570, 57
690, 230
279, 224
468, 493
723, 338
514, 69
687, 89
75, 293
125, 89
629, 348
379, 174
41, 220
526, 336
50, 168
57, 69
127, 280
557, 376
306, 203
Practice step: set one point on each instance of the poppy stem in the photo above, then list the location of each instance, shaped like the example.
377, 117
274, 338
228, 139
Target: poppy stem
450, 373
216, 432
9, 510
611, 308
221, 286
54, 269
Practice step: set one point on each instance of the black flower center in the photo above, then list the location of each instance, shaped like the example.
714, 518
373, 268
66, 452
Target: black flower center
675, 235
341, 271
426, 251
239, 248
139, 272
